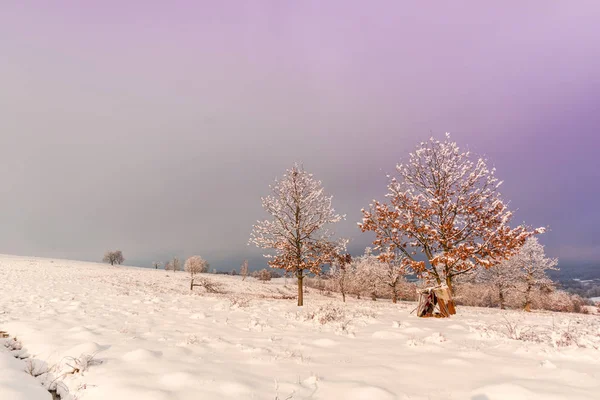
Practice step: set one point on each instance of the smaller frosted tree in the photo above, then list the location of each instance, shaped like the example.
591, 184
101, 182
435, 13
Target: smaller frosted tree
504, 277
533, 264
156, 264
195, 265
341, 272
244, 270
173, 265
297, 231
114, 257
391, 272
366, 274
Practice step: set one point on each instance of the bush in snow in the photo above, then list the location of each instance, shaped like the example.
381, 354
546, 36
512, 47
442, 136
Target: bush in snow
263, 275
13, 344
239, 301
476, 294
208, 284
336, 316
484, 294
328, 313
35, 367
366, 276
195, 265
557, 300
113, 257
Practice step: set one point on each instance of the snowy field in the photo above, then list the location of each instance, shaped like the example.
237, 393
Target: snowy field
101, 332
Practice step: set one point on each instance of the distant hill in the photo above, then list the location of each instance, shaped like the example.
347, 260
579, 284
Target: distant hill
582, 271
581, 279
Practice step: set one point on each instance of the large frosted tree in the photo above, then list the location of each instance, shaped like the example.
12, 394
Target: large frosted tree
444, 215
298, 228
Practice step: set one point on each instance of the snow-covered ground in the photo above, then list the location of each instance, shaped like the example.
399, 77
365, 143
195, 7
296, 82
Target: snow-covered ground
102, 332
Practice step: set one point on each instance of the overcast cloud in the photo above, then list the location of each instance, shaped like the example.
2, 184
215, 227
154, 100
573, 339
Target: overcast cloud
156, 129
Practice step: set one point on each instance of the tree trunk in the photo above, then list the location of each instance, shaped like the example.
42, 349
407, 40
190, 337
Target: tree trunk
343, 296
394, 292
451, 305
300, 291
501, 298
192, 284
527, 306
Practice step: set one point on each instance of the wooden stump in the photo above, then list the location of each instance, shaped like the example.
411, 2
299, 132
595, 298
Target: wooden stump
444, 311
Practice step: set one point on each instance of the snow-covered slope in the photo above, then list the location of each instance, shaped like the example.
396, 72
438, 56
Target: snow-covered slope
103, 332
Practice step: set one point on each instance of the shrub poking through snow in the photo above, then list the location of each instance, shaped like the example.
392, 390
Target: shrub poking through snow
327, 314
335, 314
239, 302
208, 285
263, 275
13, 344
35, 367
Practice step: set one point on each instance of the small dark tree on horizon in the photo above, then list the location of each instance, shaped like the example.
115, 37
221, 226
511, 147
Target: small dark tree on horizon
114, 257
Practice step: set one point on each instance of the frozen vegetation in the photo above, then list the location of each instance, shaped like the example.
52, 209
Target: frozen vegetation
96, 331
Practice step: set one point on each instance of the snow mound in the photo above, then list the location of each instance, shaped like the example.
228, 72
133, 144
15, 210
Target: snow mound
141, 355
506, 391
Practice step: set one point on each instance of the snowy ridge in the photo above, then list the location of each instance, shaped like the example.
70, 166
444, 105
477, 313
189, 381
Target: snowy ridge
150, 338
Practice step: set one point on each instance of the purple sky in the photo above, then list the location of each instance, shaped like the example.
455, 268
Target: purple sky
156, 128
